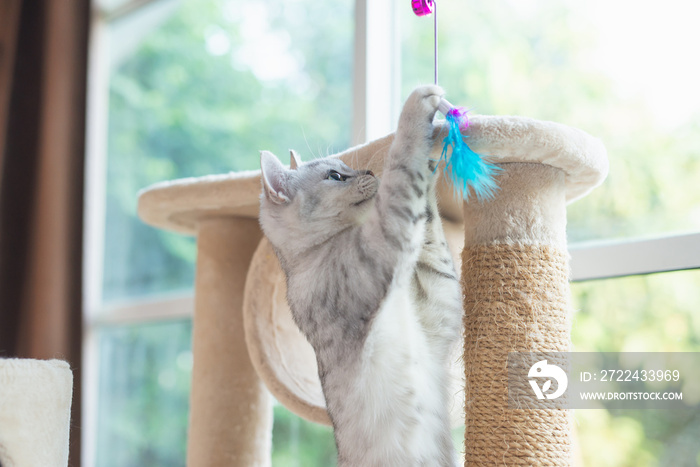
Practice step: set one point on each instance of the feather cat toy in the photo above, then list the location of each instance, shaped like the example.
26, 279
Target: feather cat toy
464, 167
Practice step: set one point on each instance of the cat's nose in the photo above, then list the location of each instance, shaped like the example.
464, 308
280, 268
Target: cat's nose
369, 172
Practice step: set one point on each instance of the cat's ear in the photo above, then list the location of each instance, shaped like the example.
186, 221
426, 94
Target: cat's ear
294, 160
274, 178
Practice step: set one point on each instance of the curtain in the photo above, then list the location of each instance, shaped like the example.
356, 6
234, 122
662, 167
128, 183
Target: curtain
43, 75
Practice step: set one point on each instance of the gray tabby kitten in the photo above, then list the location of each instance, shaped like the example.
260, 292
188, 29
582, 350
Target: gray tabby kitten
371, 284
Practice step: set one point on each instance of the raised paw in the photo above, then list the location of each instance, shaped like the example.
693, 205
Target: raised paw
424, 99
419, 109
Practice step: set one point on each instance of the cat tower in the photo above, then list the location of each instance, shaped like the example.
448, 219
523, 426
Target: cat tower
514, 264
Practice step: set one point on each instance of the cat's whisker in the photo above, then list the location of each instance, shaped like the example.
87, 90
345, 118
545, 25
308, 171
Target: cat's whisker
355, 160
318, 153
375, 155
306, 140
371, 160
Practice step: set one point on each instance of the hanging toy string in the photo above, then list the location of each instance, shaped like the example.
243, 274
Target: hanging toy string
465, 168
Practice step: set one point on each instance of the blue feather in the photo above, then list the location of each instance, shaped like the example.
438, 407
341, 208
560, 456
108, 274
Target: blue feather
465, 168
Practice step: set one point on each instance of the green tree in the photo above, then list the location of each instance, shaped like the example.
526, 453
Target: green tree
187, 102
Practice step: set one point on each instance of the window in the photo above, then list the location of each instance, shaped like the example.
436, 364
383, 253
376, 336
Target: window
655, 313
183, 88
619, 71
587, 65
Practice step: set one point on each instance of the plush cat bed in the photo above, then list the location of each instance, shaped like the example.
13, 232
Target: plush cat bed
35, 401
282, 356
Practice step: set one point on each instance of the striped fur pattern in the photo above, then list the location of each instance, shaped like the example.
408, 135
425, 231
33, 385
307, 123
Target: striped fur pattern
372, 286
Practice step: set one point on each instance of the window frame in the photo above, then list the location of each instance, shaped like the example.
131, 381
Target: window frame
376, 87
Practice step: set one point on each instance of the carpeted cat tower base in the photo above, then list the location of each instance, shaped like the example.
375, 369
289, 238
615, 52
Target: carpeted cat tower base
35, 402
513, 258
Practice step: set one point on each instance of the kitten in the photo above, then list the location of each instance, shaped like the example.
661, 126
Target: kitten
372, 286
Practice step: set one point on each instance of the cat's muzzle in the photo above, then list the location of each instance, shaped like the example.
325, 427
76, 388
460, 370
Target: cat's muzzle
367, 185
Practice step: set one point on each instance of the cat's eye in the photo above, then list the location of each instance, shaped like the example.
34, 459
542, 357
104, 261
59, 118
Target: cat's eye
333, 175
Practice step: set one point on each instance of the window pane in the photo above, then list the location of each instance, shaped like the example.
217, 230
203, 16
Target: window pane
144, 387
657, 313
200, 87
616, 69
299, 443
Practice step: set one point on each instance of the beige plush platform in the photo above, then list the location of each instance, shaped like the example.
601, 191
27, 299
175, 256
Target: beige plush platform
179, 205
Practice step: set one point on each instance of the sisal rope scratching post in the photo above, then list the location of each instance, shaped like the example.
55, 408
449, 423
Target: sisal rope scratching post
516, 299
515, 282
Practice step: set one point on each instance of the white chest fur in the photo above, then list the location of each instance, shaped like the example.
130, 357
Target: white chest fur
399, 397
